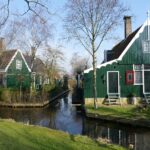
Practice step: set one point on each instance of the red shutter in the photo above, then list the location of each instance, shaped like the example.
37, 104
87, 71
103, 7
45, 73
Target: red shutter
129, 77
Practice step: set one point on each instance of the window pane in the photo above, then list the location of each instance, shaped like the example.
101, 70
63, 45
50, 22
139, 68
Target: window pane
18, 64
147, 67
138, 77
137, 67
146, 46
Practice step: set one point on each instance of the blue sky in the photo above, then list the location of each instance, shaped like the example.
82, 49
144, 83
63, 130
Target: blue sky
138, 10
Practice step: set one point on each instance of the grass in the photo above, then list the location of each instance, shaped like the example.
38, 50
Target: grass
16, 136
127, 112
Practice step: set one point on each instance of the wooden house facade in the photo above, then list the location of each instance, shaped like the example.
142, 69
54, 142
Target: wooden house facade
125, 70
14, 71
20, 71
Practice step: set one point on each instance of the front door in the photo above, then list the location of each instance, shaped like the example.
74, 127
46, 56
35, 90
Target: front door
113, 82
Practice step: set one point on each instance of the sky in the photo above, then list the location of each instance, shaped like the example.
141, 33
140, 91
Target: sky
138, 11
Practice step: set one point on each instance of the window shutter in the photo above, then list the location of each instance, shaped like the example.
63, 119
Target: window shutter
129, 77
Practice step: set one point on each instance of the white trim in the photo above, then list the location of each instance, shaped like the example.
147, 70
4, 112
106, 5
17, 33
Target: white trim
11, 61
118, 82
25, 61
101, 65
125, 50
144, 80
14, 58
135, 75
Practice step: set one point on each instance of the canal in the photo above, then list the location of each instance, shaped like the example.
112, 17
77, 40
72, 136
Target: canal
63, 116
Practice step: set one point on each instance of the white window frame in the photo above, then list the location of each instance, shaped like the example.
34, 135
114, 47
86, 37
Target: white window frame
18, 64
118, 82
138, 70
143, 75
146, 46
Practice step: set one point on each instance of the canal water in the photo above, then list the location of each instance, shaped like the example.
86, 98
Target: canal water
63, 116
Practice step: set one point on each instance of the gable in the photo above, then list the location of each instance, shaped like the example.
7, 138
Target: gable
37, 66
17, 57
127, 45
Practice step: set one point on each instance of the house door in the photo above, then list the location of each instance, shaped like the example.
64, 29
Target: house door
146, 81
113, 85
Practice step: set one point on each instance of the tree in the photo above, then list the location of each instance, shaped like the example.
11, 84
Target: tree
30, 6
52, 58
89, 22
79, 64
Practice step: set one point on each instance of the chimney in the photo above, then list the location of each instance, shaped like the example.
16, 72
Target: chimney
127, 25
2, 44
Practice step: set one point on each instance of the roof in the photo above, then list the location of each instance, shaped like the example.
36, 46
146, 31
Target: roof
120, 49
5, 58
38, 65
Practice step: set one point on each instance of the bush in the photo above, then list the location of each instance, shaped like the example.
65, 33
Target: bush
5, 94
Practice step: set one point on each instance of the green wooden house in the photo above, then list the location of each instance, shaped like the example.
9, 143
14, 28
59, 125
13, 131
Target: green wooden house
125, 71
38, 74
19, 70
14, 70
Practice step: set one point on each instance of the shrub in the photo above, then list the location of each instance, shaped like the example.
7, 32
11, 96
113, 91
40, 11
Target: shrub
5, 94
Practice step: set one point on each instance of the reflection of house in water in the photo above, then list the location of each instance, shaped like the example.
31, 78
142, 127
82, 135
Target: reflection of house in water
124, 138
142, 141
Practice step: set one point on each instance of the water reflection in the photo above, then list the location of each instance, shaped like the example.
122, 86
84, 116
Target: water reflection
137, 139
63, 116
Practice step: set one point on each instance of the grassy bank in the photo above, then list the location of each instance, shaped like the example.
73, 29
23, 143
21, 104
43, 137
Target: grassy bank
16, 136
127, 112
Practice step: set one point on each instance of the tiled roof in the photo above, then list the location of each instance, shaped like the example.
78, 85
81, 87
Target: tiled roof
38, 65
120, 47
5, 58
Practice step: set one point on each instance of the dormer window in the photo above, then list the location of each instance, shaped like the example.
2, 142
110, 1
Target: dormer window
146, 46
18, 64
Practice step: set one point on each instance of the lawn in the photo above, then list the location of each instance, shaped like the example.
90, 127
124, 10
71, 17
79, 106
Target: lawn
127, 111
17, 136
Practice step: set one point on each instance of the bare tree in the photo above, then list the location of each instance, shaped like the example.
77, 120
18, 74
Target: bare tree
89, 22
34, 34
30, 5
53, 58
78, 63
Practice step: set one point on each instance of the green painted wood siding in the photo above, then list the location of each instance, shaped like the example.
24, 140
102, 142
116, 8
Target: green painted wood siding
134, 55
15, 77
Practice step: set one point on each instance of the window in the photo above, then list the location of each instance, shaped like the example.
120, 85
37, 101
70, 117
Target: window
146, 46
137, 74
146, 67
19, 64
129, 77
